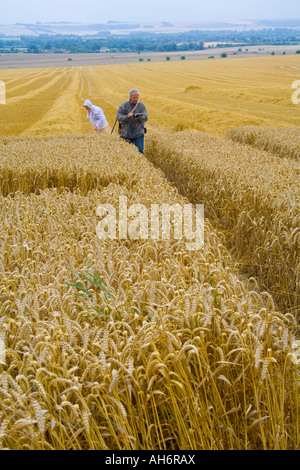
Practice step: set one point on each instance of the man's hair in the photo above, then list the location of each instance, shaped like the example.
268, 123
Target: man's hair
133, 90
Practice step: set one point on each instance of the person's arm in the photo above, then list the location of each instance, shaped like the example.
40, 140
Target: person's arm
122, 114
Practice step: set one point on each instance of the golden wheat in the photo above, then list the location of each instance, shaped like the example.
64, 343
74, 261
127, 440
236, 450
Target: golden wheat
253, 196
183, 355
157, 347
29, 166
281, 141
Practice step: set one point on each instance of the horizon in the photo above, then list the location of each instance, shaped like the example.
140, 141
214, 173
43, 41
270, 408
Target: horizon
192, 22
93, 11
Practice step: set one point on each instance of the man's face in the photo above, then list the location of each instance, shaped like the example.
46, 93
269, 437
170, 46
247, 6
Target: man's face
134, 98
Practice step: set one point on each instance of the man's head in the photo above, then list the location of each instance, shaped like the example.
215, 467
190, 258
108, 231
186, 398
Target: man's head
134, 95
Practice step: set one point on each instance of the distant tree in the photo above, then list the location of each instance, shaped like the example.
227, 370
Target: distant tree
33, 49
140, 46
168, 58
182, 57
146, 41
223, 54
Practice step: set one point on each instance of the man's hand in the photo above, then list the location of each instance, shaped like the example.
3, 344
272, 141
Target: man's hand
130, 115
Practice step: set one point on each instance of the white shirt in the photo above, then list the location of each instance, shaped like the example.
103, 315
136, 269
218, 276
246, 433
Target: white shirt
96, 116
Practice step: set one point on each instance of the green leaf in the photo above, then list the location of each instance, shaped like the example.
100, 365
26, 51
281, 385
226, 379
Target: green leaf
80, 287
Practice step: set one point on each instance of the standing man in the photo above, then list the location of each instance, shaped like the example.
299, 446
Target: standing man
132, 115
96, 116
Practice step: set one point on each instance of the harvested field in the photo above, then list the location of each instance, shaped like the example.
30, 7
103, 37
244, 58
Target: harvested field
212, 96
109, 58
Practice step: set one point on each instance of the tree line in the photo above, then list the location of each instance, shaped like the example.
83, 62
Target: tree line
147, 42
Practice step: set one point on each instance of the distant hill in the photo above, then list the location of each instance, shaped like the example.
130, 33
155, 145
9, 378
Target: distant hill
114, 27
290, 23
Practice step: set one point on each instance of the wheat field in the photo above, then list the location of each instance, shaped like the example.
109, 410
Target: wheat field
251, 195
141, 344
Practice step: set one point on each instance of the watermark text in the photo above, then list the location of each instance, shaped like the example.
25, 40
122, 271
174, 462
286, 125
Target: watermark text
137, 222
296, 94
2, 92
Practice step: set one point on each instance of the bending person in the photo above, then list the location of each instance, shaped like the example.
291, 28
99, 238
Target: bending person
96, 116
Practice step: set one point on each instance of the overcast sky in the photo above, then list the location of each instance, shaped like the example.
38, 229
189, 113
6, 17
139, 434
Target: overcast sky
101, 11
